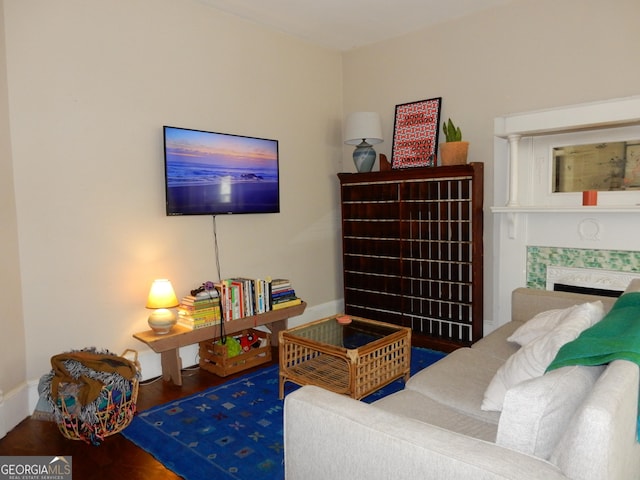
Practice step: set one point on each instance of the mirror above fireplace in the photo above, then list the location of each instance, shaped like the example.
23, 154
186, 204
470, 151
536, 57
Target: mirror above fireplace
603, 166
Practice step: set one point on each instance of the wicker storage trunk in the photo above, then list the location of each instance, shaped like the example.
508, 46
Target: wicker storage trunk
214, 357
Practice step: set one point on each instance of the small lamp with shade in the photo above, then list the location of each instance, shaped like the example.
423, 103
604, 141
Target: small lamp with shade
363, 129
161, 299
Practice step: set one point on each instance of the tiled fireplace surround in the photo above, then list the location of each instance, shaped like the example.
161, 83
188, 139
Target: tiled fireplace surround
604, 269
535, 230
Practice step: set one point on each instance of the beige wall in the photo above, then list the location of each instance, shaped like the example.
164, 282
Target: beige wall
530, 55
90, 85
12, 341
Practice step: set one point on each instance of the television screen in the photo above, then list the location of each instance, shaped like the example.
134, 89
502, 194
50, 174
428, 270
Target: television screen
208, 173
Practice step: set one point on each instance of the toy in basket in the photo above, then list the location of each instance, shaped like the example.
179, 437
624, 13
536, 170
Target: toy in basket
93, 393
247, 349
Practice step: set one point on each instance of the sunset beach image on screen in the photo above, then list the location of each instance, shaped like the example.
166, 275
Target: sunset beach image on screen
209, 173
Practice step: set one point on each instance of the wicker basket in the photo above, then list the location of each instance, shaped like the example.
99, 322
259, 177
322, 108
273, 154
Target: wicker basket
113, 415
214, 357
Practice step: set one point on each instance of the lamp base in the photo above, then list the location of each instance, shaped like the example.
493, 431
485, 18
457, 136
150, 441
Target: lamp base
162, 321
364, 157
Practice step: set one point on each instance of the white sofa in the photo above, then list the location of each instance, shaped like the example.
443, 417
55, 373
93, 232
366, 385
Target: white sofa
576, 422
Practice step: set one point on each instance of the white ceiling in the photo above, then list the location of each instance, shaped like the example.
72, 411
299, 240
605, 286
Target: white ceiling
346, 24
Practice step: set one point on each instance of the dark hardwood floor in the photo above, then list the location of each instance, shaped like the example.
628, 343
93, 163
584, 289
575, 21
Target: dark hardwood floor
115, 457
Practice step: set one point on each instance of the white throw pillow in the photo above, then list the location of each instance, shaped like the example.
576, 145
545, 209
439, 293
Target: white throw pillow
536, 412
544, 322
533, 359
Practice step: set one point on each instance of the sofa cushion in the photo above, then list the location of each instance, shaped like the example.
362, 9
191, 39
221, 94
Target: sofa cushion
412, 404
533, 359
537, 412
544, 322
459, 381
601, 441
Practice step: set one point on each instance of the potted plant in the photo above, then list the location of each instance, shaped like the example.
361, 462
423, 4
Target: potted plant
453, 151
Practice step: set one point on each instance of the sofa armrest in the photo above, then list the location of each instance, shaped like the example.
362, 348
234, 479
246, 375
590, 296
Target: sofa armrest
328, 435
528, 302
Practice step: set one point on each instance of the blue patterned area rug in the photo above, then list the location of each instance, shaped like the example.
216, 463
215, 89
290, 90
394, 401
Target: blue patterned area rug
234, 430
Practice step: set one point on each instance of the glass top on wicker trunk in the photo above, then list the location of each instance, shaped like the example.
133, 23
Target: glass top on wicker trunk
355, 358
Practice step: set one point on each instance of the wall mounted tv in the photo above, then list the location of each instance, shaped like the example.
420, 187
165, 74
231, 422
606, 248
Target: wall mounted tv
208, 173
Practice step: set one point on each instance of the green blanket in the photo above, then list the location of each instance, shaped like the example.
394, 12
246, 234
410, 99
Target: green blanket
615, 337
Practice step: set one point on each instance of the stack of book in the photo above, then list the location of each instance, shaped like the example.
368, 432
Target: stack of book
201, 310
282, 294
242, 297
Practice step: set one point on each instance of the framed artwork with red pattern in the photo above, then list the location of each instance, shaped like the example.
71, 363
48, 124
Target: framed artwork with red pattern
415, 134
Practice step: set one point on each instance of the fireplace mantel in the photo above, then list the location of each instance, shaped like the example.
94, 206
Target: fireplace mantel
595, 115
527, 213
521, 152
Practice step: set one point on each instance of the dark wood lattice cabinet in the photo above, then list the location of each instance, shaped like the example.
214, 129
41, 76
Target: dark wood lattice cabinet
413, 252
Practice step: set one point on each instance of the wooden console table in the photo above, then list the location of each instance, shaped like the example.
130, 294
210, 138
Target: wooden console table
168, 345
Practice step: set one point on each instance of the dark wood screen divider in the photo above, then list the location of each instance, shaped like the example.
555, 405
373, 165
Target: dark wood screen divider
413, 252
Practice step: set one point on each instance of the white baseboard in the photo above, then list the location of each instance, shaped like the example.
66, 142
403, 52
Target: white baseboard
14, 407
150, 366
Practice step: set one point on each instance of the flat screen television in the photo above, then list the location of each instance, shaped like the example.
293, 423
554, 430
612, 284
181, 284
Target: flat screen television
209, 173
